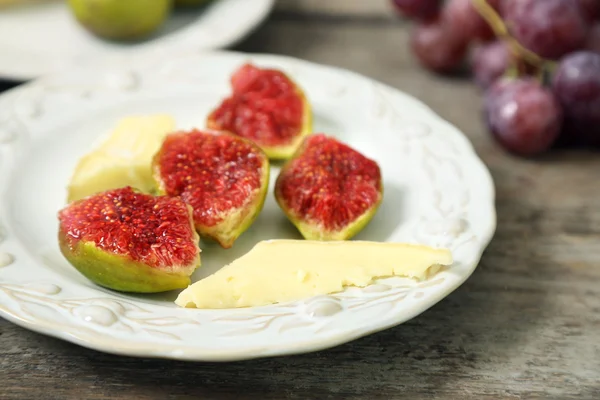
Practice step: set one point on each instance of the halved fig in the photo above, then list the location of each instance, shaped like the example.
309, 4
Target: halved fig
222, 176
130, 241
328, 190
267, 107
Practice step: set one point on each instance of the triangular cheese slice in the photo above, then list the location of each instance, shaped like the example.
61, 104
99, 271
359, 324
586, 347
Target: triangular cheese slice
278, 271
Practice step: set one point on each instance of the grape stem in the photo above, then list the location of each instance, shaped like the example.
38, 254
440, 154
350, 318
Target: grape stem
501, 31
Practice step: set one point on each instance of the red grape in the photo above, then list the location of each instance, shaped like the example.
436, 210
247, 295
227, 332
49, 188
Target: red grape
577, 85
522, 115
590, 9
437, 47
489, 61
549, 28
418, 9
593, 39
464, 18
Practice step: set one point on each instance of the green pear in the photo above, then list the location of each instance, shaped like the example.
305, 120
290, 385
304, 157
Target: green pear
121, 19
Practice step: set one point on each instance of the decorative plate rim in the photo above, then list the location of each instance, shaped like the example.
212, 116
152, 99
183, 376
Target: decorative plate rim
183, 351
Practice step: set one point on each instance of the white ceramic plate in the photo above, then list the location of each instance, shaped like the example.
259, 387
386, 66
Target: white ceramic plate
43, 38
437, 192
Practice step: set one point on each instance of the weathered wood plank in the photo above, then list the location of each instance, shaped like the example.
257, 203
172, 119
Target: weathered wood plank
526, 325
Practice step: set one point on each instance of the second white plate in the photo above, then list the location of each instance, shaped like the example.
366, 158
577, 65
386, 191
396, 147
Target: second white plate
44, 38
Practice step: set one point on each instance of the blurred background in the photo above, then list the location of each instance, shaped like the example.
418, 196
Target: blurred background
550, 49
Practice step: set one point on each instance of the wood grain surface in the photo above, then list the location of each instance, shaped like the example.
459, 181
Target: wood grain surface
525, 325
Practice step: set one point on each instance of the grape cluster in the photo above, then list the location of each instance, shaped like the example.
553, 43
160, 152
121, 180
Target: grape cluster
537, 61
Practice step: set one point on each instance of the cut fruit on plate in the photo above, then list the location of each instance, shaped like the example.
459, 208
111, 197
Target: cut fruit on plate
40, 287
222, 176
267, 107
123, 159
311, 268
130, 241
328, 190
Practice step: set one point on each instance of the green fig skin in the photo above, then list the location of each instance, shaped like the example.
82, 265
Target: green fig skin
278, 152
315, 231
226, 237
119, 273
235, 223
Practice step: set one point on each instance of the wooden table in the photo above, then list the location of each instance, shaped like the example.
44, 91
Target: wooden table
525, 325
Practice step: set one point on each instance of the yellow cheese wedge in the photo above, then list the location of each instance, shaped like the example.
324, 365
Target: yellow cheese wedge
123, 159
286, 270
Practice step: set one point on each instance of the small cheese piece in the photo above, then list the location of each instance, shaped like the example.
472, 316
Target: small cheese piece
286, 270
122, 159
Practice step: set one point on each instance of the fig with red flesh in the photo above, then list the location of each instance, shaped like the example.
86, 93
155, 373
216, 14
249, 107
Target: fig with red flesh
222, 176
328, 190
130, 241
267, 107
